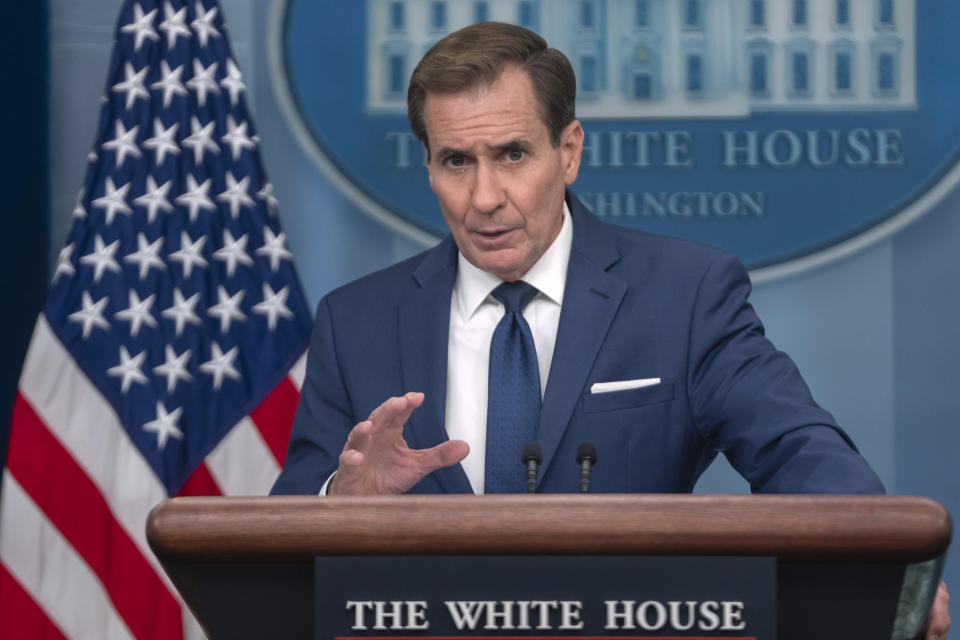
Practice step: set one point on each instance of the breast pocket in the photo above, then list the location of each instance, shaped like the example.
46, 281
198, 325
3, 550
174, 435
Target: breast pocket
628, 398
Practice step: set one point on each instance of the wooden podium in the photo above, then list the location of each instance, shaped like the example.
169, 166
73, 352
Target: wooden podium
845, 564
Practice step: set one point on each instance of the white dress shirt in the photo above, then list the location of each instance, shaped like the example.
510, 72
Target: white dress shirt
474, 314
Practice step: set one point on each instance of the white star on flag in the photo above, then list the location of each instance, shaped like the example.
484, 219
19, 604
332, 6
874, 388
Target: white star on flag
129, 369
237, 195
266, 194
78, 211
155, 198
163, 140
174, 24
227, 308
182, 311
203, 24
196, 197
146, 255
237, 137
91, 314
233, 252
273, 247
274, 305
138, 313
141, 27
220, 365
123, 143
132, 84
202, 81
174, 368
170, 83
200, 138
189, 253
165, 425
113, 201
101, 258
233, 81
64, 266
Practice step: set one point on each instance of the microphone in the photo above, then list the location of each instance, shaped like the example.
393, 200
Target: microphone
586, 458
532, 456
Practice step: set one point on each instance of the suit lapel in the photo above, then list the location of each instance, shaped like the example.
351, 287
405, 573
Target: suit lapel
424, 326
590, 302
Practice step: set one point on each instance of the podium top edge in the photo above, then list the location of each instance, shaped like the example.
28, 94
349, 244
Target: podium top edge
790, 527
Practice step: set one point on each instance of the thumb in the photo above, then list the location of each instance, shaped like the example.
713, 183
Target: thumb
443, 455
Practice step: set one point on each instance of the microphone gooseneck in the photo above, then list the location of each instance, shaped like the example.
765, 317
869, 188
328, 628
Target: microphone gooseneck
531, 456
586, 458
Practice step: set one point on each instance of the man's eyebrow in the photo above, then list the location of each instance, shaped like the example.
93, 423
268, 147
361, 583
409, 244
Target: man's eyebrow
450, 151
517, 144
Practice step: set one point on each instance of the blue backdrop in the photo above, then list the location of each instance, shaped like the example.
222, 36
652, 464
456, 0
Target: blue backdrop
875, 334
23, 192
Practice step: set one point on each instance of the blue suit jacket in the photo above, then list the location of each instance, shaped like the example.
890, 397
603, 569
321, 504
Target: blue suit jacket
635, 306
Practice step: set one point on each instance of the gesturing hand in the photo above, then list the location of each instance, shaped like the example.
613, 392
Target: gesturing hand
377, 460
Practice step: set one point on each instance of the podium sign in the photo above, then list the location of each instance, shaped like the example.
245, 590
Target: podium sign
545, 596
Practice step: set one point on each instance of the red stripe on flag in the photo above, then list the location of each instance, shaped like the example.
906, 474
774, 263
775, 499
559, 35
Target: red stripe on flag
20, 616
274, 417
74, 505
200, 483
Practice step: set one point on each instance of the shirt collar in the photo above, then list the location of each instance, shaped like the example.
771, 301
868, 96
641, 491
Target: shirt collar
548, 274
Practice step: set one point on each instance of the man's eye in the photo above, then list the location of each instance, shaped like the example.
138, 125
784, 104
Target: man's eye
514, 155
456, 161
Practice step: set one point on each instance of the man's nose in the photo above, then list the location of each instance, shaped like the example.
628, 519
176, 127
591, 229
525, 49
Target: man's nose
488, 193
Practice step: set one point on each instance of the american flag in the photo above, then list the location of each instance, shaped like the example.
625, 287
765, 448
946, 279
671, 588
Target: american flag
168, 358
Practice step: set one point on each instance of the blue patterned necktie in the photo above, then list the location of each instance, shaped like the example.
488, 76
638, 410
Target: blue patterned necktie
513, 401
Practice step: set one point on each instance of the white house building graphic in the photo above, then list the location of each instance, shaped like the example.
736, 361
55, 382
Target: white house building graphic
679, 58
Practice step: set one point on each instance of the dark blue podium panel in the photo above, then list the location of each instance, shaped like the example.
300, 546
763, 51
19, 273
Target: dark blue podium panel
545, 597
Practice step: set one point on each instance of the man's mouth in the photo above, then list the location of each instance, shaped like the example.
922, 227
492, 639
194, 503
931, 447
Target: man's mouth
492, 238
494, 233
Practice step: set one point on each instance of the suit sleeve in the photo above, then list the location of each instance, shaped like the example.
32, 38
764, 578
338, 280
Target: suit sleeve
324, 415
749, 400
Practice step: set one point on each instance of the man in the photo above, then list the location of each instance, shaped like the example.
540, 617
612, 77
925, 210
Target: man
666, 319
645, 346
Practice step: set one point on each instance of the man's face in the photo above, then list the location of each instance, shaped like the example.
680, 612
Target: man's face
499, 181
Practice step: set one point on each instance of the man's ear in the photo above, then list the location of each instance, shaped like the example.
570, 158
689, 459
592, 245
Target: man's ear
571, 148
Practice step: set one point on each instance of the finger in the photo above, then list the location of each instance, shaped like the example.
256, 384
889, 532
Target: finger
359, 435
394, 412
395, 403
350, 458
938, 623
386, 410
443, 455
405, 407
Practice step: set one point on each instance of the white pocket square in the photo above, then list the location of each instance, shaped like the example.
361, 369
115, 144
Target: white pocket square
623, 385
